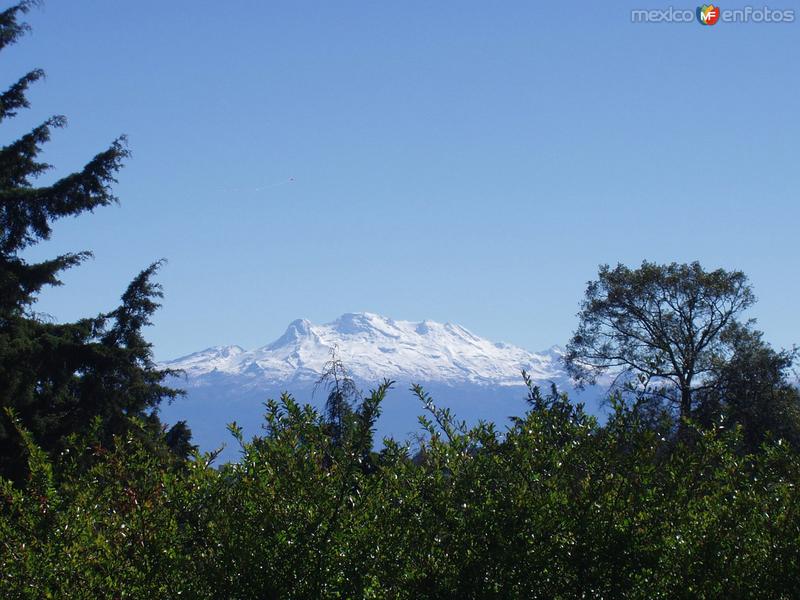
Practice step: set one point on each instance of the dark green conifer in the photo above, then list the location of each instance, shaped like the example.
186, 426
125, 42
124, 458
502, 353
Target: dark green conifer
59, 376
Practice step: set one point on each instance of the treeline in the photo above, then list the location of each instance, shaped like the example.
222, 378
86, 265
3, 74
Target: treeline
687, 490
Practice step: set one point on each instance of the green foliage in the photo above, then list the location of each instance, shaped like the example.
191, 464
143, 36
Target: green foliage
342, 392
672, 337
555, 506
663, 324
58, 377
753, 388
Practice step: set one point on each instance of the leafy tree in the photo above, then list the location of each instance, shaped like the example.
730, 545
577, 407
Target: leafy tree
664, 326
753, 389
59, 376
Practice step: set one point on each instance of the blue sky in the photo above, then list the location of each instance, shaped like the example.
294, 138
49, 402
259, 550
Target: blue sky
462, 161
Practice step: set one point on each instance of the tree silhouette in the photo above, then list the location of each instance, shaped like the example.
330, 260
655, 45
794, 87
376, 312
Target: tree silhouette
59, 377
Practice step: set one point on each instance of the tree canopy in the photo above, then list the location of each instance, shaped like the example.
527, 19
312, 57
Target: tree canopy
667, 325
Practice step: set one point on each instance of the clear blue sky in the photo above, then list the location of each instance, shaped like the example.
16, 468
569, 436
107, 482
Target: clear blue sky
463, 161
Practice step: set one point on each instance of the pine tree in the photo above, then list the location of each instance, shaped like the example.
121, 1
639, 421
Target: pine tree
59, 377
342, 393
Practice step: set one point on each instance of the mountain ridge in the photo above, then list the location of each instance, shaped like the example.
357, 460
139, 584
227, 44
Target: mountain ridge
372, 347
476, 378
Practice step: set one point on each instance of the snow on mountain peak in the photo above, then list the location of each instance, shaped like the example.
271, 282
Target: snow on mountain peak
298, 329
373, 347
368, 324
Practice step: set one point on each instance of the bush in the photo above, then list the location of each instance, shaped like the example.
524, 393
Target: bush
555, 506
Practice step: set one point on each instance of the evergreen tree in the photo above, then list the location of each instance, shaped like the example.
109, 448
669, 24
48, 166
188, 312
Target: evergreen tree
342, 394
59, 377
754, 389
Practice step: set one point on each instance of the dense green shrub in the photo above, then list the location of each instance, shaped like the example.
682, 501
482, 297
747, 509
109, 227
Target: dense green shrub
555, 506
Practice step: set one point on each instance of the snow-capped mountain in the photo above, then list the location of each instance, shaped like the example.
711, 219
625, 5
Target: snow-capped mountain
373, 347
475, 377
